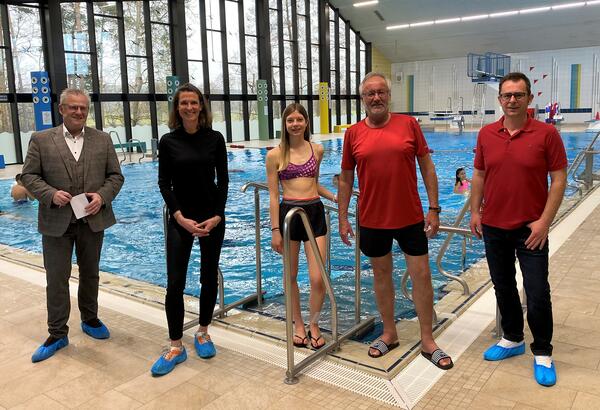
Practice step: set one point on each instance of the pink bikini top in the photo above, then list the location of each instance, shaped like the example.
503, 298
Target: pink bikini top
463, 186
306, 170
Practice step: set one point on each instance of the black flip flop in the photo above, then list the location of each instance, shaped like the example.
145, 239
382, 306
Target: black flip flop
382, 347
436, 357
316, 345
304, 342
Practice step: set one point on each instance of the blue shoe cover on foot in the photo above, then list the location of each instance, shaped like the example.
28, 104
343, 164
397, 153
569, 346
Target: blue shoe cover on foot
546, 376
495, 352
206, 349
163, 365
96, 332
44, 352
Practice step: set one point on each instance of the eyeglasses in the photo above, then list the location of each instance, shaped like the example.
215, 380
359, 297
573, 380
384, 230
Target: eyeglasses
372, 94
508, 96
73, 107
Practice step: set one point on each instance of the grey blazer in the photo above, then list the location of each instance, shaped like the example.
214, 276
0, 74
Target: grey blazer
46, 170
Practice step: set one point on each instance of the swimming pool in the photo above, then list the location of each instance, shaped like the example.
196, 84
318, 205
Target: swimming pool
134, 247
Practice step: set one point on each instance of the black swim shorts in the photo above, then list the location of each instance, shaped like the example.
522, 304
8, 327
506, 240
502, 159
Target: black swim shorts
375, 243
316, 216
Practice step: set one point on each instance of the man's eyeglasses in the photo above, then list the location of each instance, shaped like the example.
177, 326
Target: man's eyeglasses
372, 94
73, 107
508, 96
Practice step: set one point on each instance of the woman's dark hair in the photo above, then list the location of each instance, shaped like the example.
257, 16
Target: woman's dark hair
458, 181
204, 117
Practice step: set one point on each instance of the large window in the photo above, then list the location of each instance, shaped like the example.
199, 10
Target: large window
26, 43
122, 51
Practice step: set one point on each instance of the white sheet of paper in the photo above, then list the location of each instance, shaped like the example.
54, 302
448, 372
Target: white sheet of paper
78, 203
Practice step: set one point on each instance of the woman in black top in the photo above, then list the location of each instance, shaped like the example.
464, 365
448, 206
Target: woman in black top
189, 159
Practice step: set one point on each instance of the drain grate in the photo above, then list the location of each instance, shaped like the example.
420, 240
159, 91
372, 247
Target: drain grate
325, 370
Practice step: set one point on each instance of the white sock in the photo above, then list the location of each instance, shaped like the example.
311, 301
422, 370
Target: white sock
509, 344
545, 361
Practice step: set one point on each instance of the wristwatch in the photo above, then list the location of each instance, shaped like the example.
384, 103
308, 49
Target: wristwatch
437, 209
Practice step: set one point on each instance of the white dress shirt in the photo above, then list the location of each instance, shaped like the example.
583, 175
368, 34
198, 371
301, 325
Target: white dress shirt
75, 143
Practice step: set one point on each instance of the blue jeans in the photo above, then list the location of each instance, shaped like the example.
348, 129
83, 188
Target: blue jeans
501, 247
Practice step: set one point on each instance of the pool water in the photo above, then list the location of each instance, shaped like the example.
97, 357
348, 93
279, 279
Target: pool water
134, 247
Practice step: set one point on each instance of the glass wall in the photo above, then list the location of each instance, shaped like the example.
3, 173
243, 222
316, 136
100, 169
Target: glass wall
122, 51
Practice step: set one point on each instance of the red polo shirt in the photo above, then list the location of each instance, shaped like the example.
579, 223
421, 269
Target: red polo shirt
386, 167
516, 171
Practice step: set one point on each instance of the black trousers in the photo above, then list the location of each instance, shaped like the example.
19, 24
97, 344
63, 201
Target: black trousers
58, 253
179, 248
501, 246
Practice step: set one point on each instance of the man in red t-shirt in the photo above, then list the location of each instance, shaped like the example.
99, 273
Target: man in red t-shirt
384, 148
512, 209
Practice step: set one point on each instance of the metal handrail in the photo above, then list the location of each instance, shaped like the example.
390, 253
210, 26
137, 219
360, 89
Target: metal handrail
126, 152
257, 186
292, 368
110, 133
132, 148
262, 186
451, 230
581, 156
454, 229
220, 312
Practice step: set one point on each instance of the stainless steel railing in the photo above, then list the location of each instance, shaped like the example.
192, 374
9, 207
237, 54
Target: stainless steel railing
129, 150
261, 186
292, 368
223, 309
587, 177
451, 230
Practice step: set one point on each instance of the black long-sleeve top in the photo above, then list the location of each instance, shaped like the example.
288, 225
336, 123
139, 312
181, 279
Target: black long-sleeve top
187, 166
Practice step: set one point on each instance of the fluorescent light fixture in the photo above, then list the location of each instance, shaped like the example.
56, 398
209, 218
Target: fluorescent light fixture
491, 15
452, 20
365, 3
398, 27
478, 17
422, 23
506, 13
534, 10
568, 5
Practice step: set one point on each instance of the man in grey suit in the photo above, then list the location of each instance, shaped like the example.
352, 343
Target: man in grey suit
63, 162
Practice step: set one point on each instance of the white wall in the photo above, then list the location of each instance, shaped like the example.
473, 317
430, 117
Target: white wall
433, 81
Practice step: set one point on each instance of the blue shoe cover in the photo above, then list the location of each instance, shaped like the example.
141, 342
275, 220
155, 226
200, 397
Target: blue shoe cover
495, 352
44, 352
96, 332
544, 375
206, 349
163, 366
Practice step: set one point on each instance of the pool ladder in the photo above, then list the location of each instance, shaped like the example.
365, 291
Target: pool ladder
587, 177
325, 269
127, 149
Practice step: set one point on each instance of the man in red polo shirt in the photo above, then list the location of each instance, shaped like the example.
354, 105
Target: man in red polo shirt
512, 208
384, 148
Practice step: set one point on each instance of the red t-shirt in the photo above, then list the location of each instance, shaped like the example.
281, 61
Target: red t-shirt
386, 166
516, 171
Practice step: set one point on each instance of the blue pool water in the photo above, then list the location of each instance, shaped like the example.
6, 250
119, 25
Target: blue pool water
134, 247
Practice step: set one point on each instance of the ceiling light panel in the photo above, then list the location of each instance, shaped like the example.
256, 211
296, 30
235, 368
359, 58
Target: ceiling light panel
365, 3
498, 14
506, 13
568, 5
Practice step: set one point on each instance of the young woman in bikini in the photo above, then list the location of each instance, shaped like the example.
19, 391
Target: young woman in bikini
295, 165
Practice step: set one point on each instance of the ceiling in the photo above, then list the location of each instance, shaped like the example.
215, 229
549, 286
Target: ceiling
554, 29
